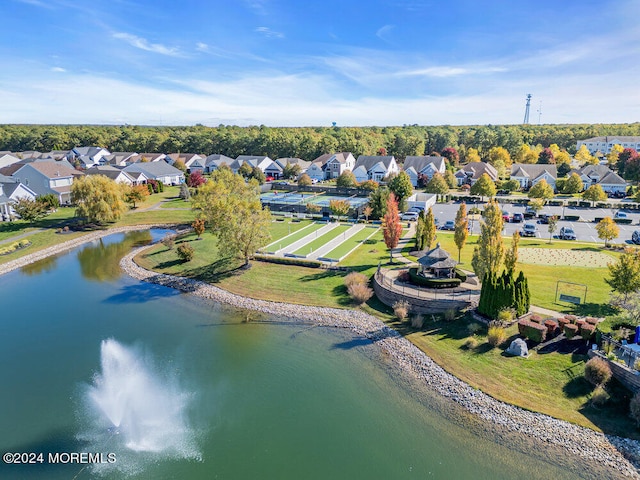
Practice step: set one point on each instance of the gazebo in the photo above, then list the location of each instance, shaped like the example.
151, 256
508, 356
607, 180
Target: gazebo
437, 263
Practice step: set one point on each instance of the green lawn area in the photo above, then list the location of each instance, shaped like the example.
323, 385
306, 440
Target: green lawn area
299, 230
40, 241
176, 203
351, 243
279, 230
322, 240
551, 383
543, 278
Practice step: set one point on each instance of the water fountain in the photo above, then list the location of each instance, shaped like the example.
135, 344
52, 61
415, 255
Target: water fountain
134, 408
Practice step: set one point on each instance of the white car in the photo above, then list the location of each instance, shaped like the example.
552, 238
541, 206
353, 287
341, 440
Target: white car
529, 230
409, 216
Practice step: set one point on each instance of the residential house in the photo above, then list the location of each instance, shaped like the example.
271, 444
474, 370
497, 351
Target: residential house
116, 174
10, 191
159, 171
261, 162
215, 161
117, 159
7, 158
145, 158
192, 161
423, 166
303, 164
139, 178
527, 175
601, 175
87, 156
48, 177
374, 167
316, 171
605, 144
334, 164
471, 172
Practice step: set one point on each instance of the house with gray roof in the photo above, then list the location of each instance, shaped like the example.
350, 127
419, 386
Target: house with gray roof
192, 161
145, 158
116, 174
47, 177
215, 161
87, 156
601, 175
7, 158
334, 164
159, 171
117, 159
10, 191
528, 175
424, 166
374, 167
471, 172
605, 144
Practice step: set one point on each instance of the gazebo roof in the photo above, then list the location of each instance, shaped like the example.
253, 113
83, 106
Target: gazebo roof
437, 258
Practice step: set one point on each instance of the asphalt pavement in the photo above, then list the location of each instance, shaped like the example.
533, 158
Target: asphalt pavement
584, 228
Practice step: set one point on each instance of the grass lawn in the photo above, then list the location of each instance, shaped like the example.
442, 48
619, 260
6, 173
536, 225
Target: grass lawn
352, 242
298, 231
176, 203
322, 240
279, 230
40, 241
551, 383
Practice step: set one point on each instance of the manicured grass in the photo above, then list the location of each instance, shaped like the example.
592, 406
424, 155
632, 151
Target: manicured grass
151, 200
280, 230
156, 216
40, 241
322, 240
176, 203
351, 243
551, 383
285, 240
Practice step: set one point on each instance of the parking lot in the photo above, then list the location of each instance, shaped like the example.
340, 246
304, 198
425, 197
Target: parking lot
585, 228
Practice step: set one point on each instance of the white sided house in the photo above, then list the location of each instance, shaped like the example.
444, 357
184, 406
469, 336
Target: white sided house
601, 175
334, 164
116, 174
376, 167
88, 156
215, 161
425, 166
471, 172
528, 175
7, 159
159, 171
10, 191
605, 144
315, 171
48, 177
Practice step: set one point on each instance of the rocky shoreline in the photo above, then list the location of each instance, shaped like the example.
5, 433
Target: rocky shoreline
606, 450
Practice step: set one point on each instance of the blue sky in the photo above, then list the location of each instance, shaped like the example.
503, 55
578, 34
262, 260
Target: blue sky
311, 63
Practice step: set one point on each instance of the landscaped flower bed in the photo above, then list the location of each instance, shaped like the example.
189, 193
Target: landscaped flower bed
14, 246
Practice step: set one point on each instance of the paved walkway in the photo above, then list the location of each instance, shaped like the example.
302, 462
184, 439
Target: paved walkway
22, 235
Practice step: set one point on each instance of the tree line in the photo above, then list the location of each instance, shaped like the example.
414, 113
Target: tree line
304, 142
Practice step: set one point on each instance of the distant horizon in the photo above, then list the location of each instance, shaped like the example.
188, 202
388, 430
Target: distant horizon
282, 63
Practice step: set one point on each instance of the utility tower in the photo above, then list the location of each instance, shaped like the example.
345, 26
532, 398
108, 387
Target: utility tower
526, 110
539, 112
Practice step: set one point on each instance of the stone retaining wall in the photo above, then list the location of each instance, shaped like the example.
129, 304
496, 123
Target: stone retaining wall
629, 378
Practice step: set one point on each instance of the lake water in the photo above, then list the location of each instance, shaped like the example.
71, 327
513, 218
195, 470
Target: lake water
204, 394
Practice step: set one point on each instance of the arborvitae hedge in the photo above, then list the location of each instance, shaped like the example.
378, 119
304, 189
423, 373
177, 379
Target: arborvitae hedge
504, 292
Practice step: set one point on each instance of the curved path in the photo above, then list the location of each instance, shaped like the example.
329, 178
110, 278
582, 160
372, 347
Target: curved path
606, 450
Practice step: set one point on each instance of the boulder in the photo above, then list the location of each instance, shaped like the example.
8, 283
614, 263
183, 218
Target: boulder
518, 348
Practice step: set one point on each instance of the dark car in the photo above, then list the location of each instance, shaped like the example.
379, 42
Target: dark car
543, 218
449, 225
635, 238
529, 230
567, 233
517, 218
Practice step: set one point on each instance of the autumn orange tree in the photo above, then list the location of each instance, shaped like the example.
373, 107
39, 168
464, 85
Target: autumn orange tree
391, 226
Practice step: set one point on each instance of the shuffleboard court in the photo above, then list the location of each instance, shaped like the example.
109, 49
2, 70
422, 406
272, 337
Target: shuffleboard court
321, 240
279, 230
294, 237
352, 242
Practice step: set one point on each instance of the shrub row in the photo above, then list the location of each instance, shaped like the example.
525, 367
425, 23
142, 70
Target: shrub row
532, 330
572, 218
461, 275
301, 262
432, 282
570, 330
555, 203
14, 246
623, 221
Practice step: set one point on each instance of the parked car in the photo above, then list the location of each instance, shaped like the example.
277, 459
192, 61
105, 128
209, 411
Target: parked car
620, 214
506, 216
567, 233
543, 218
410, 216
517, 218
616, 194
529, 230
635, 237
449, 225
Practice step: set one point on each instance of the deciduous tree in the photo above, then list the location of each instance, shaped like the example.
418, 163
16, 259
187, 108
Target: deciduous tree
546, 156
304, 180
625, 273
489, 254
484, 187
552, 225
339, 208
541, 190
594, 194
98, 199
290, 171
30, 210
437, 185
391, 226
401, 187
573, 184
198, 226
511, 256
607, 230
136, 193
461, 229
234, 214
378, 200
347, 180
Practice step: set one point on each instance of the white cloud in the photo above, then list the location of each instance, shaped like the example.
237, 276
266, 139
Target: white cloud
383, 32
58, 69
267, 32
202, 47
450, 71
144, 44
35, 3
